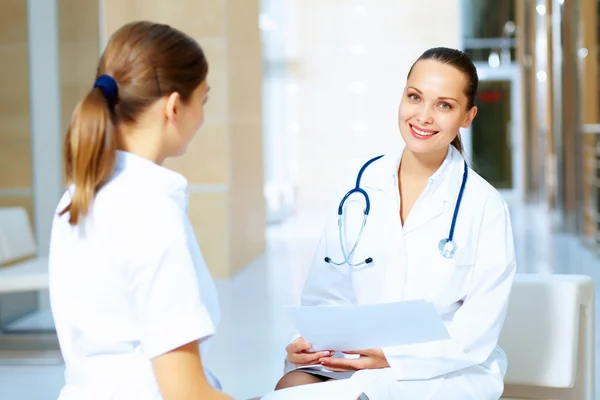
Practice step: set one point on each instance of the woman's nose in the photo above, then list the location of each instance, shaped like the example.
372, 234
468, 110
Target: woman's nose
424, 116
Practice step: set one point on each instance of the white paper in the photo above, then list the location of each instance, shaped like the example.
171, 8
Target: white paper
344, 328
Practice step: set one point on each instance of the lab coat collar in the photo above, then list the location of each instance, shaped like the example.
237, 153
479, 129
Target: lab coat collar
436, 180
158, 177
445, 173
442, 188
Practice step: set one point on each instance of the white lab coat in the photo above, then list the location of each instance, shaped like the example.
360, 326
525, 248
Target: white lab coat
470, 291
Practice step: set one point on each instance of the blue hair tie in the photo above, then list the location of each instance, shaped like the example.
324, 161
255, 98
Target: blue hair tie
108, 85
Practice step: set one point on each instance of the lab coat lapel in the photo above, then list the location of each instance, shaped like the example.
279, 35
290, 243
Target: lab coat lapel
424, 211
440, 193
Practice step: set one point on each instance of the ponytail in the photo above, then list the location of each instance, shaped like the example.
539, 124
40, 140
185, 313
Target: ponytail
90, 151
457, 143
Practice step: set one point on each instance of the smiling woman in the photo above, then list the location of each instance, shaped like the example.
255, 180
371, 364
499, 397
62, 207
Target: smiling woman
469, 286
439, 98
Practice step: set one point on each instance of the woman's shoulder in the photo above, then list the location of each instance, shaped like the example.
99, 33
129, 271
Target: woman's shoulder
137, 209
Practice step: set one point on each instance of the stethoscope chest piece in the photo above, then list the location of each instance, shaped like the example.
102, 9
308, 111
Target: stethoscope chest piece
447, 248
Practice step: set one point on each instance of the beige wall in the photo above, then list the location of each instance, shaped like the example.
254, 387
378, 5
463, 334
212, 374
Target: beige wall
79, 41
224, 162
15, 138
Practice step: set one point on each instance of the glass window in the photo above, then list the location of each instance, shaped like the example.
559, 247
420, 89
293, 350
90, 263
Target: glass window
487, 19
489, 30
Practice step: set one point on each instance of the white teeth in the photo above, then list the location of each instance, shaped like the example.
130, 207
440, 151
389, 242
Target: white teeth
420, 132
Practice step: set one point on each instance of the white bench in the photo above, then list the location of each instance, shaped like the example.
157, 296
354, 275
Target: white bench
549, 338
25, 271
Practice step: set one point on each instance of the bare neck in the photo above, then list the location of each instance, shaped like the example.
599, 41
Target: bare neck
421, 166
144, 143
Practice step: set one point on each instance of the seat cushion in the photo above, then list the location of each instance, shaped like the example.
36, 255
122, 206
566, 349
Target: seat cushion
25, 276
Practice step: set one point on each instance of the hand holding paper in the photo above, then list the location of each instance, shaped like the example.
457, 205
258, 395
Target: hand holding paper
298, 353
368, 359
355, 327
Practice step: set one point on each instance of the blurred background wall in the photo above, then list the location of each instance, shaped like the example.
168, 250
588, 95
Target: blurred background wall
300, 89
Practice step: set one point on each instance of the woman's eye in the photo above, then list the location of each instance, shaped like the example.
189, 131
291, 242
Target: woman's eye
413, 96
445, 106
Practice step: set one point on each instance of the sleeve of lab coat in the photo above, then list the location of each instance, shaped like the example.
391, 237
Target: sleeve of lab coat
477, 324
325, 284
315, 295
163, 283
320, 287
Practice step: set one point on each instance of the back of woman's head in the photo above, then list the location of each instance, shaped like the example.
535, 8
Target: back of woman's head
463, 63
143, 62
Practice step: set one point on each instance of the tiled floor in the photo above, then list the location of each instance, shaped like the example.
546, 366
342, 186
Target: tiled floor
248, 351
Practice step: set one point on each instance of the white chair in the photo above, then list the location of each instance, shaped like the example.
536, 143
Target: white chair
20, 269
548, 337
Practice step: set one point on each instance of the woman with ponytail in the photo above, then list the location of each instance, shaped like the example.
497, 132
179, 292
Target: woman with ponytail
132, 299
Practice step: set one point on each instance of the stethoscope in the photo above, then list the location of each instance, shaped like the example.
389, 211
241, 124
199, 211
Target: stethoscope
447, 246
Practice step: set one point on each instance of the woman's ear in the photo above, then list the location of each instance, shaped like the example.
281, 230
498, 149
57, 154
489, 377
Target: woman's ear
172, 107
470, 117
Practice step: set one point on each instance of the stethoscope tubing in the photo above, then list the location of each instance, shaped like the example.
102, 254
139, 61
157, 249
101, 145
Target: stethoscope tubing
446, 246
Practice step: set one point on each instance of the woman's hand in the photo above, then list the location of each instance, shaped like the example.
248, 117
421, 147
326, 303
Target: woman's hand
298, 353
368, 359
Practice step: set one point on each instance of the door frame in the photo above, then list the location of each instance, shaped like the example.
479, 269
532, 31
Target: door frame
505, 72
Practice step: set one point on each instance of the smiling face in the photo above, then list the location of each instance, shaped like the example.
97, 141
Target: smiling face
434, 106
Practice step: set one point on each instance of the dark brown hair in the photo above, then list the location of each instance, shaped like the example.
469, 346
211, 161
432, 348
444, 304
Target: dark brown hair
462, 62
146, 61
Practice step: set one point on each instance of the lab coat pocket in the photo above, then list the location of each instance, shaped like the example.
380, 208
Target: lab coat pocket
453, 278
